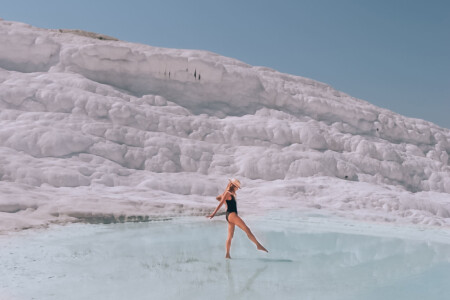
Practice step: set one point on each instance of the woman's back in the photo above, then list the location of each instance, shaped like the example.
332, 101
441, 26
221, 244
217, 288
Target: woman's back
231, 205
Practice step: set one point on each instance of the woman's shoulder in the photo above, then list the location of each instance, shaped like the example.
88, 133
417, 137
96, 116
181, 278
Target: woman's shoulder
226, 194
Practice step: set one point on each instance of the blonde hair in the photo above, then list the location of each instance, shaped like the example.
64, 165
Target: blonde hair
231, 189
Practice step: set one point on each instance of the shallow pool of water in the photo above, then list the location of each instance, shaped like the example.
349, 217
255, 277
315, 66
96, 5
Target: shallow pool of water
184, 259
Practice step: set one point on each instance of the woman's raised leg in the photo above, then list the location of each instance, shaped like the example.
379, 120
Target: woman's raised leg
229, 238
236, 220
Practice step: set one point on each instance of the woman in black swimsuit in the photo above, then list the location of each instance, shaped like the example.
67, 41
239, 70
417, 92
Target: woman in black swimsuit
229, 197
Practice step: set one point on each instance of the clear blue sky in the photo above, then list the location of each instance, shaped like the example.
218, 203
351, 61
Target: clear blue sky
392, 53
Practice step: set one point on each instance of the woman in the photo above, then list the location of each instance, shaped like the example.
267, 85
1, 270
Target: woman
229, 197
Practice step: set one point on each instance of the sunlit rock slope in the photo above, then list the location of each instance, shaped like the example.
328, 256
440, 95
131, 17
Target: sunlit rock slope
95, 129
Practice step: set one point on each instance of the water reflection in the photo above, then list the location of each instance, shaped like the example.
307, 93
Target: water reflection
245, 283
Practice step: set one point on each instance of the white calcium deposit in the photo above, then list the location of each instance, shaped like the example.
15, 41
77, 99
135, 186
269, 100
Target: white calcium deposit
100, 130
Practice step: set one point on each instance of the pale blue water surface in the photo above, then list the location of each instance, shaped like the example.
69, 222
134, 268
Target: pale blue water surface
310, 258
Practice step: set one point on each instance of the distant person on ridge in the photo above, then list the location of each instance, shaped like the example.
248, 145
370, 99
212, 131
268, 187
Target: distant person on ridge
229, 197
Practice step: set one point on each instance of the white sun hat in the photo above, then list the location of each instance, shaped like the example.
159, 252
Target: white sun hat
235, 182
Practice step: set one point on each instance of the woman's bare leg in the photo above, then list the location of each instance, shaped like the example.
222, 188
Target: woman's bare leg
236, 220
229, 238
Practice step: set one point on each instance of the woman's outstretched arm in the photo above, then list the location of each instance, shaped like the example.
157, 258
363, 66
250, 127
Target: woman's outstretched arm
224, 196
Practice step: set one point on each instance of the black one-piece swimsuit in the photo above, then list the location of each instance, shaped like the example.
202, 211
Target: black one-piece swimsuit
231, 207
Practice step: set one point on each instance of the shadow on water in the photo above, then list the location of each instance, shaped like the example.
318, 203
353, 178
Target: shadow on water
267, 260
274, 260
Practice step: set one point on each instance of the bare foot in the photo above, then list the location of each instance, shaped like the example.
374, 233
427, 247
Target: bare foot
260, 247
228, 256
